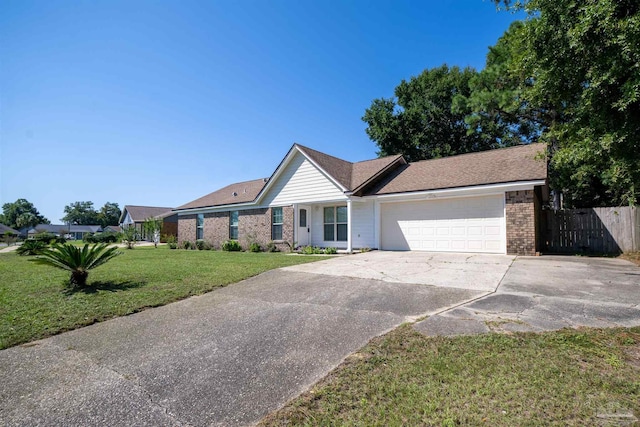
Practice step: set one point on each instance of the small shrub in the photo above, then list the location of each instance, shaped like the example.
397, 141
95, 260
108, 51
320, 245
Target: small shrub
231, 246
255, 247
203, 245
187, 245
49, 238
330, 251
271, 247
78, 261
31, 247
107, 237
172, 242
307, 250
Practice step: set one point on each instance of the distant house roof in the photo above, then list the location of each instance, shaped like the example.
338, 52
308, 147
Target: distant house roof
64, 228
393, 174
113, 228
141, 213
4, 229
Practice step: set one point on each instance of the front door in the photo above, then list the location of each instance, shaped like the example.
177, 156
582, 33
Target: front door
304, 225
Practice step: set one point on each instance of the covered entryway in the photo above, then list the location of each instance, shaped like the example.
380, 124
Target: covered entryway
469, 224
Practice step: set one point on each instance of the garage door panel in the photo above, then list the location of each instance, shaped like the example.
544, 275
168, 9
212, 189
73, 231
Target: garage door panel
460, 225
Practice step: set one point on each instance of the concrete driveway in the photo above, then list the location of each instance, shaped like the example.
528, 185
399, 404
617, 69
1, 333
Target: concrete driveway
225, 358
231, 356
549, 293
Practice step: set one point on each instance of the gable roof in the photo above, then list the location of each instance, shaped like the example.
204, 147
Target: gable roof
6, 229
350, 175
511, 164
141, 213
392, 174
244, 192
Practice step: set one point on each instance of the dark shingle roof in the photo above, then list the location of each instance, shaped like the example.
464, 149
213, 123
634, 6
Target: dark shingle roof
141, 213
5, 229
519, 163
393, 175
241, 192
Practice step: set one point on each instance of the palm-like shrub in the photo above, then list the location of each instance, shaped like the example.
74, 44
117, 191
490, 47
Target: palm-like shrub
77, 260
31, 247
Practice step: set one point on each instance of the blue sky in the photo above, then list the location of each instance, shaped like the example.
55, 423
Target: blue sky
158, 103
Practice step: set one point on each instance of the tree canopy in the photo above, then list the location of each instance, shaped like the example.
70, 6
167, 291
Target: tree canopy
80, 213
567, 75
109, 214
83, 213
421, 122
21, 213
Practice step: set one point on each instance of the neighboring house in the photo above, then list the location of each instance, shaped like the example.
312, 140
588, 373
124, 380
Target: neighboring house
136, 216
112, 229
69, 231
478, 202
4, 229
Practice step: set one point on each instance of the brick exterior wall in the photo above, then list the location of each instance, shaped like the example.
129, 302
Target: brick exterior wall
216, 228
253, 225
521, 218
186, 228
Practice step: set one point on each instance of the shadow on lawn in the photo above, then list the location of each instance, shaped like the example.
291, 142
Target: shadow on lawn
110, 286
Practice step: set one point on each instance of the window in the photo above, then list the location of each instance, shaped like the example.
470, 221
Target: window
303, 217
233, 225
200, 227
335, 224
276, 223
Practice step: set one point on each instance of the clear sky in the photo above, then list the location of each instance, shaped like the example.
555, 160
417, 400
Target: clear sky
160, 102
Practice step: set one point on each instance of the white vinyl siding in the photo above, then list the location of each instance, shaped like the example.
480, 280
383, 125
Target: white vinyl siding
470, 224
302, 182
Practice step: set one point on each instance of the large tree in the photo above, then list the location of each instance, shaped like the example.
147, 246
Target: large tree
21, 213
579, 64
109, 214
80, 213
421, 121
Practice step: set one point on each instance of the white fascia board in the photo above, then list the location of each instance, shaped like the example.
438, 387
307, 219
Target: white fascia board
478, 190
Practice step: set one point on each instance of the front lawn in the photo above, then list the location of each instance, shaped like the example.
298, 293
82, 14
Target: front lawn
35, 303
570, 377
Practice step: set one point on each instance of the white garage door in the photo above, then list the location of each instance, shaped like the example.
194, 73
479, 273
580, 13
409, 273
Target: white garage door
472, 224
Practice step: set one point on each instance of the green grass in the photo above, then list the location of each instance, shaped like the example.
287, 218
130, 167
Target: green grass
570, 377
35, 301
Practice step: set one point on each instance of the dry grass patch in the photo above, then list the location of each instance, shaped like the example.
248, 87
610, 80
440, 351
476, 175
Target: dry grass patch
570, 377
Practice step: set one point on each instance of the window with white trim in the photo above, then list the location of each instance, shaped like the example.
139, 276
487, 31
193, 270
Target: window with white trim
335, 224
276, 223
233, 225
200, 227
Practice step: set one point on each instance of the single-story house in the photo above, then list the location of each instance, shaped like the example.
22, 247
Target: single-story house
479, 202
69, 231
111, 229
5, 229
136, 216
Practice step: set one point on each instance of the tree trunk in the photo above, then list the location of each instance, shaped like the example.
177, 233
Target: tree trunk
79, 278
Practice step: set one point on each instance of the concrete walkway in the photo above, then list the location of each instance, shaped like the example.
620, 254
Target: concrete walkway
225, 358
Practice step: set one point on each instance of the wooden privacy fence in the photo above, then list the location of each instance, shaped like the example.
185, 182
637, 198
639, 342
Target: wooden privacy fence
592, 230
